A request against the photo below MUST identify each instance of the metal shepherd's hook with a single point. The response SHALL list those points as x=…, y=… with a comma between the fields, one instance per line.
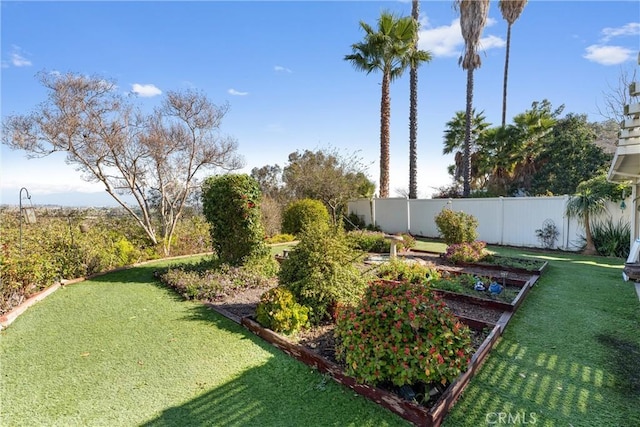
x=22, y=213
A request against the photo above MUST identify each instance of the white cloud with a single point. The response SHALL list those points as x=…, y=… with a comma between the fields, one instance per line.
x=447, y=41
x=19, y=61
x=442, y=41
x=281, y=69
x=607, y=55
x=16, y=58
x=630, y=29
x=145, y=91
x=237, y=93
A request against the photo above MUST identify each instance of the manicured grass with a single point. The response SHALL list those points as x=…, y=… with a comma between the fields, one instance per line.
x=570, y=356
x=121, y=350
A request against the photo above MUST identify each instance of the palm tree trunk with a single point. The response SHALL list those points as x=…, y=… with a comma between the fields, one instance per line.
x=590, y=247
x=385, y=117
x=413, y=116
x=466, y=189
x=506, y=73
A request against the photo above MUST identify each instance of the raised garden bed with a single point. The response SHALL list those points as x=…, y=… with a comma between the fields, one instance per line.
x=486, y=299
x=498, y=262
x=416, y=413
x=316, y=348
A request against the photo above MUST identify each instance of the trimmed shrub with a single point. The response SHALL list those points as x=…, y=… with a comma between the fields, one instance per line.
x=456, y=227
x=465, y=252
x=403, y=334
x=281, y=238
x=320, y=272
x=231, y=204
x=279, y=311
x=411, y=272
x=368, y=241
x=304, y=213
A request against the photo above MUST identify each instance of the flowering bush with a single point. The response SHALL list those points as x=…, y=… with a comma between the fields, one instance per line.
x=279, y=311
x=465, y=252
x=402, y=333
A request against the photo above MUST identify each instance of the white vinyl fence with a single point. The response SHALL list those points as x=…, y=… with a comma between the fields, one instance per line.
x=511, y=221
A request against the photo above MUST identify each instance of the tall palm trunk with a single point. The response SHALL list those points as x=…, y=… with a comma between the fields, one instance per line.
x=385, y=118
x=506, y=74
x=511, y=10
x=466, y=189
x=413, y=115
x=473, y=17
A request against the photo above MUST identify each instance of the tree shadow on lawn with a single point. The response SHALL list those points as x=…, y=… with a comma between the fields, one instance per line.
x=275, y=394
x=282, y=391
x=624, y=362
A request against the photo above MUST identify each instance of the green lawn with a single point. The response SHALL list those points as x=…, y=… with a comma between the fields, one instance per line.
x=123, y=350
x=569, y=357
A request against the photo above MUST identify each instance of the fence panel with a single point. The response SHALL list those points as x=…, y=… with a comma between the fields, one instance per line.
x=392, y=215
x=504, y=221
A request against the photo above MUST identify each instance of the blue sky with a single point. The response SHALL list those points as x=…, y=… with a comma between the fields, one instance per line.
x=280, y=66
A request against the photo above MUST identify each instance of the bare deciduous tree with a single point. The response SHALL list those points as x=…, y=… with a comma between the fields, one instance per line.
x=617, y=96
x=155, y=159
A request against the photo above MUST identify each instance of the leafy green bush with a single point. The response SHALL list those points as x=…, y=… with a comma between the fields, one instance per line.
x=611, y=239
x=281, y=238
x=465, y=252
x=456, y=227
x=304, y=213
x=404, y=271
x=400, y=332
x=68, y=243
x=279, y=311
x=231, y=204
x=368, y=241
x=320, y=272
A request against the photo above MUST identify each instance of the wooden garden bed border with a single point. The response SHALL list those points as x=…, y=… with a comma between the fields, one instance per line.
x=499, y=305
x=417, y=414
x=538, y=271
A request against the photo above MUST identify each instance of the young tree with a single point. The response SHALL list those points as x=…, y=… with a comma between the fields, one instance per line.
x=583, y=205
x=473, y=17
x=389, y=49
x=155, y=159
x=454, y=142
x=327, y=176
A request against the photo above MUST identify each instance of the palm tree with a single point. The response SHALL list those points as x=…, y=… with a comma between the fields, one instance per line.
x=413, y=108
x=511, y=10
x=454, y=142
x=473, y=17
x=389, y=49
x=583, y=205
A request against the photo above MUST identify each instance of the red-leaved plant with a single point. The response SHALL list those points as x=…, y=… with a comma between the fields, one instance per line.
x=465, y=252
x=402, y=333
